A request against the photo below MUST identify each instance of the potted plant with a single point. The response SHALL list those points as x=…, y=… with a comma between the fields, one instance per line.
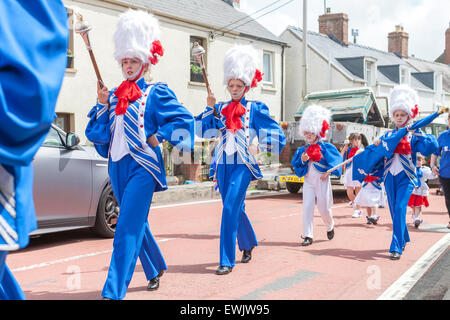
x=69, y=58
x=196, y=73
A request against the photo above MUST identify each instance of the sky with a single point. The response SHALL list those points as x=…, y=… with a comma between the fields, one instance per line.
x=424, y=20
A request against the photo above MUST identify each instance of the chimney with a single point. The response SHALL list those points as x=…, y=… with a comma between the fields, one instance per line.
x=398, y=42
x=234, y=3
x=336, y=24
x=447, y=46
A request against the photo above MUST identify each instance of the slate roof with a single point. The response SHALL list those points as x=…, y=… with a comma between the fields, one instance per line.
x=428, y=66
x=348, y=59
x=215, y=13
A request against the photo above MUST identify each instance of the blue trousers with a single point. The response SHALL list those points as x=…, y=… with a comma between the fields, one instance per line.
x=9, y=288
x=233, y=179
x=398, y=189
x=133, y=187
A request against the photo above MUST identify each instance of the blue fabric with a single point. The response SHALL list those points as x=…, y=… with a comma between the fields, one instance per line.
x=32, y=67
x=443, y=151
x=133, y=187
x=233, y=180
x=331, y=157
x=270, y=136
x=9, y=288
x=33, y=43
x=164, y=116
x=398, y=190
x=364, y=162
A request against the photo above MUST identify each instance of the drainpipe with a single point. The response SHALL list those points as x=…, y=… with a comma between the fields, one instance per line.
x=305, y=45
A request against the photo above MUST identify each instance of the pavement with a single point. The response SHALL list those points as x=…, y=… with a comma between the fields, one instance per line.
x=355, y=265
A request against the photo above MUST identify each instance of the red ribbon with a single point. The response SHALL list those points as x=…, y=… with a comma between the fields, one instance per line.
x=156, y=50
x=126, y=92
x=370, y=178
x=313, y=152
x=325, y=127
x=233, y=113
x=403, y=147
x=352, y=152
x=415, y=111
x=257, y=78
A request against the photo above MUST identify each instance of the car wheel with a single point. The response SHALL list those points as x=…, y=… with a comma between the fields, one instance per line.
x=293, y=187
x=107, y=214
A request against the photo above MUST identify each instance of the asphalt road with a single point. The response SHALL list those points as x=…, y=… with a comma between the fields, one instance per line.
x=355, y=265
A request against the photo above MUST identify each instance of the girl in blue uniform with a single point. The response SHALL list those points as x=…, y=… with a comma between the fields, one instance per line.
x=32, y=68
x=237, y=122
x=127, y=126
x=312, y=161
x=400, y=175
x=443, y=151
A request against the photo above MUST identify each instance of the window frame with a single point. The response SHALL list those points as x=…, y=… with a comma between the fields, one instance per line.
x=193, y=60
x=370, y=70
x=271, y=55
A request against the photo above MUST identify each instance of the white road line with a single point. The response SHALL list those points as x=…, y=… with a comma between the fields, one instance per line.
x=400, y=288
x=58, y=261
x=93, y=254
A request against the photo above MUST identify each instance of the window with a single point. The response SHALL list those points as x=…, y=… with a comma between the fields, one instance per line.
x=194, y=65
x=369, y=73
x=70, y=46
x=64, y=121
x=404, y=76
x=268, y=67
x=53, y=139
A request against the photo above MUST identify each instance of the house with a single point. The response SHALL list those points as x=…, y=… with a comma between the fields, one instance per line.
x=335, y=63
x=217, y=25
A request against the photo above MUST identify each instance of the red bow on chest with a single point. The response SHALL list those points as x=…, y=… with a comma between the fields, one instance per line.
x=233, y=113
x=352, y=152
x=313, y=152
x=126, y=92
x=404, y=147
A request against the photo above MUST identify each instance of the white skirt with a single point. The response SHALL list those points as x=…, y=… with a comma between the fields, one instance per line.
x=369, y=196
x=348, y=178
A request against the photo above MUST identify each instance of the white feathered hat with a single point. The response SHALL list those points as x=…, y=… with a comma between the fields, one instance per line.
x=241, y=62
x=315, y=119
x=403, y=98
x=137, y=36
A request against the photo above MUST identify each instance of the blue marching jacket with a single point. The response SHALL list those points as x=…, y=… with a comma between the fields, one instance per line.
x=157, y=112
x=426, y=144
x=33, y=45
x=256, y=123
x=331, y=157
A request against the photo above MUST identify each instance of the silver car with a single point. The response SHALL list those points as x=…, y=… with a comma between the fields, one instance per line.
x=71, y=187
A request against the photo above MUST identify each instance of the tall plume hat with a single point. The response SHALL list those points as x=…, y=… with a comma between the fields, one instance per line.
x=241, y=62
x=403, y=98
x=137, y=36
x=315, y=119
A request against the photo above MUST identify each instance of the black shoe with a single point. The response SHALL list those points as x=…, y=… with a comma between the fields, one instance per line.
x=374, y=220
x=223, y=270
x=395, y=256
x=153, y=284
x=247, y=255
x=369, y=220
x=330, y=234
x=417, y=223
x=308, y=241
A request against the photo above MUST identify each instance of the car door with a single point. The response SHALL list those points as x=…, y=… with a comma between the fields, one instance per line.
x=62, y=186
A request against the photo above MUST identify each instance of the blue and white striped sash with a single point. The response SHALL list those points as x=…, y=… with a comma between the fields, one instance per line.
x=7, y=212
